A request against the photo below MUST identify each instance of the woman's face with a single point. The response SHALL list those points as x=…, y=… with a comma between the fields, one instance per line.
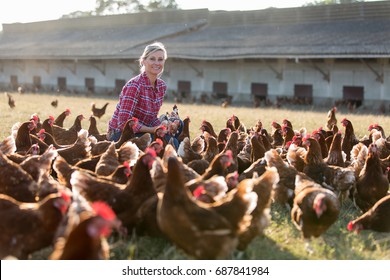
x=154, y=63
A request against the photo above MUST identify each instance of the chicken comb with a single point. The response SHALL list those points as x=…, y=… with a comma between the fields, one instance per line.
x=350, y=226
x=229, y=153
x=103, y=210
x=51, y=118
x=151, y=151
x=67, y=110
x=65, y=195
x=159, y=141
x=42, y=131
x=199, y=191
x=308, y=136
x=134, y=119
x=35, y=117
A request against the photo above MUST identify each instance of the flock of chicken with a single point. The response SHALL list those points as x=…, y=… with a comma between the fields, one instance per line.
x=71, y=189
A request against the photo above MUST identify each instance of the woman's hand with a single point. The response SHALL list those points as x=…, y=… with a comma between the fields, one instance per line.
x=147, y=129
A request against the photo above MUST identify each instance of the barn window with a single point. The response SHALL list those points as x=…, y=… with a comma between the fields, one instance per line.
x=37, y=82
x=61, y=83
x=303, y=94
x=259, y=90
x=184, y=88
x=220, y=90
x=353, y=95
x=119, y=83
x=90, y=84
x=14, y=82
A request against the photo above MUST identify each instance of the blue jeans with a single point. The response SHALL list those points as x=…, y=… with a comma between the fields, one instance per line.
x=115, y=135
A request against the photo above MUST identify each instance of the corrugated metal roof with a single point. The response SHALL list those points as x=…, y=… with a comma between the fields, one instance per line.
x=353, y=30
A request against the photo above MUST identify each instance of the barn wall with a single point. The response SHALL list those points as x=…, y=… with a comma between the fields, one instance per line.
x=238, y=74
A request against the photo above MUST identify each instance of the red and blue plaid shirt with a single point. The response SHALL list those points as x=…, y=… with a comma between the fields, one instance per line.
x=141, y=100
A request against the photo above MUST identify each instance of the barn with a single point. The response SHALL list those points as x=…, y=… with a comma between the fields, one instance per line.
x=316, y=54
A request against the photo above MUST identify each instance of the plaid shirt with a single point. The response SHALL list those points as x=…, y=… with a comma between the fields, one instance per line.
x=141, y=100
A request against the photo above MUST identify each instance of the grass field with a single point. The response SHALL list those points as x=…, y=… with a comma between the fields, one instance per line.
x=281, y=240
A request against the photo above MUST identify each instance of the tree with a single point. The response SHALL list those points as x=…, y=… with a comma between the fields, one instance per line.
x=113, y=7
x=328, y=2
x=109, y=7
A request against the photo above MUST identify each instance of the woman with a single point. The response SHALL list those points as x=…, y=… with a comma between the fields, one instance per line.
x=142, y=96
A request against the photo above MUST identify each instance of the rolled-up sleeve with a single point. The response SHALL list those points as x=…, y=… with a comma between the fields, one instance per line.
x=128, y=100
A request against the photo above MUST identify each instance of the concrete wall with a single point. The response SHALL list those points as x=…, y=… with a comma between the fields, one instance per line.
x=238, y=74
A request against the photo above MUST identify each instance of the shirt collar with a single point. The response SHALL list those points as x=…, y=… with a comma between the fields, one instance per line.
x=147, y=81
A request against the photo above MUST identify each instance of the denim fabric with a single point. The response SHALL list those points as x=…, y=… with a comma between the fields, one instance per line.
x=115, y=135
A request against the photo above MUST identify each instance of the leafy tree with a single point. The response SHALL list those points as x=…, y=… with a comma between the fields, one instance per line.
x=328, y=2
x=112, y=7
x=104, y=7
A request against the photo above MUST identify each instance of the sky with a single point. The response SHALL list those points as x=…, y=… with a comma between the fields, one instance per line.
x=12, y=11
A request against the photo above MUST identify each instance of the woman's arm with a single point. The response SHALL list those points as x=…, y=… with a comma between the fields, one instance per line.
x=147, y=129
x=128, y=102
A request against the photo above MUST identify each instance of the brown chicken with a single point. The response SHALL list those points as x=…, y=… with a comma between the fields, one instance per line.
x=210, y=190
x=98, y=112
x=68, y=136
x=284, y=188
x=123, y=199
x=48, y=138
x=59, y=121
x=54, y=103
x=23, y=138
x=382, y=144
x=186, y=129
x=93, y=130
x=288, y=134
x=315, y=166
x=219, y=165
x=211, y=147
x=295, y=155
x=257, y=147
x=263, y=186
x=11, y=100
x=372, y=184
x=79, y=150
x=88, y=239
x=7, y=146
x=317, y=134
x=209, y=128
x=331, y=118
x=191, y=151
x=16, y=182
x=349, y=139
x=315, y=208
x=335, y=154
x=29, y=227
x=47, y=125
x=376, y=218
x=35, y=165
x=277, y=134
x=202, y=231
x=160, y=168
x=108, y=161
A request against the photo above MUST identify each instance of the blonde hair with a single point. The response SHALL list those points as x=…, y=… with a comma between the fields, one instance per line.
x=149, y=49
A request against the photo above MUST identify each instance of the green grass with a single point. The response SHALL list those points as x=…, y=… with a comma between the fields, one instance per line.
x=281, y=241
